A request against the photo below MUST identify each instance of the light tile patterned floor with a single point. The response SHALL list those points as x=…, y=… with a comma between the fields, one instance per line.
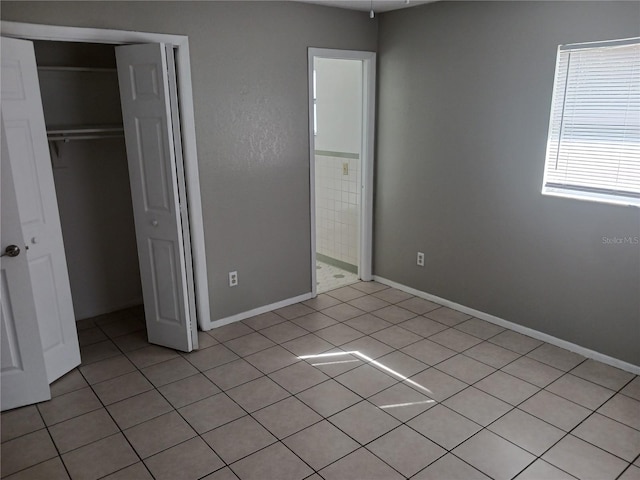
x=405, y=389
x=329, y=277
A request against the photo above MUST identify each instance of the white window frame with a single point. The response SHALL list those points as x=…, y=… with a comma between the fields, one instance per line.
x=555, y=137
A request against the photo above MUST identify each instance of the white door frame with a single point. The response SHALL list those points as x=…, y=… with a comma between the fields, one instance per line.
x=366, y=157
x=30, y=31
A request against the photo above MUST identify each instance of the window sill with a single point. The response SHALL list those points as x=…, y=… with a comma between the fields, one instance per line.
x=592, y=197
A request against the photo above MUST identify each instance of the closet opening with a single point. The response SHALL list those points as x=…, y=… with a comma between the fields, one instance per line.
x=106, y=231
x=83, y=118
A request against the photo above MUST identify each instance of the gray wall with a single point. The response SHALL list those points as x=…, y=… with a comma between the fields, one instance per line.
x=464, y=96
x=249, y=71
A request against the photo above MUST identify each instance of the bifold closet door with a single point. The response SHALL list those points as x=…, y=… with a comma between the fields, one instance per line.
x=32, y=178
x=146, y=112
x=24, y=377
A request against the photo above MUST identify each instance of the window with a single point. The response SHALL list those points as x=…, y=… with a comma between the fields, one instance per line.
x=593, y=147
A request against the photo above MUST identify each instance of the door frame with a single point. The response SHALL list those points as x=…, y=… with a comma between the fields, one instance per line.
x=365, y=239
x=31, y=31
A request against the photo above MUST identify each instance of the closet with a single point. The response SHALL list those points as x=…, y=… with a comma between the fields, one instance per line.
x=97, y=214
x=83, y=118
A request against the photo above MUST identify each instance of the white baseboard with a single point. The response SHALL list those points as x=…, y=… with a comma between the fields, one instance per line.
x=257, y=311
x=586, y=352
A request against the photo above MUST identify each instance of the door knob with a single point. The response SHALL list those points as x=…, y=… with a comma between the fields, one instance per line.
x=11, y=251
x=154, y=223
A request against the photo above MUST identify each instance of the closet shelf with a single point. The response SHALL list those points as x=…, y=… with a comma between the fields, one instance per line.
x=84, y=132
x=55, y=68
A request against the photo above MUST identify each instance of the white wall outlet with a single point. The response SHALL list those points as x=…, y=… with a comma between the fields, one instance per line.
x=420, y=259
x=233, y=279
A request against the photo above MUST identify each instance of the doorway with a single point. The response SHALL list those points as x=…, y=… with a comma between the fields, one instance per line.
x=341, y=130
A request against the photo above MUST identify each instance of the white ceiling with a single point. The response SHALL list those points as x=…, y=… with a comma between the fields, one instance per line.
x=379, y=6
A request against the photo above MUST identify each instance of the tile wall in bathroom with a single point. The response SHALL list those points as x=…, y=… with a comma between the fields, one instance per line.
x=337, y=206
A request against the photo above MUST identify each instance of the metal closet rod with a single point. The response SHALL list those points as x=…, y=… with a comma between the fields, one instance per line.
x=78, y=133
x=66, y=138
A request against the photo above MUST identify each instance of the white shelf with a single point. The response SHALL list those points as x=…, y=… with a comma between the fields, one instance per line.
x=77, y=69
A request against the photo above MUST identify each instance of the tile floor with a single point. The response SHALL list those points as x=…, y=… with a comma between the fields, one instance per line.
x=329, y=277
x=405, y=389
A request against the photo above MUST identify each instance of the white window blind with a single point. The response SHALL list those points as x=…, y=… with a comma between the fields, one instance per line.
x=593, y=147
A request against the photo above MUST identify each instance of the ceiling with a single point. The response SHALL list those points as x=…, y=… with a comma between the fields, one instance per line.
x=379, y=6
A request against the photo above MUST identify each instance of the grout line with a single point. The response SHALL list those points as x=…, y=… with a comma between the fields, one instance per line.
x=512, y=407
x=576, y=426
x=120, y=431
x=361, y=398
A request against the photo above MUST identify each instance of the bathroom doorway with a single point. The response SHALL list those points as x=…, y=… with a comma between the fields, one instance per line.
x=341, y=107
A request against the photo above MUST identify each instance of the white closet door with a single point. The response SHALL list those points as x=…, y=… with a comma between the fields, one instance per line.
x=37, y=206
x=23, y=374
x=144, y=94
x=182, y=193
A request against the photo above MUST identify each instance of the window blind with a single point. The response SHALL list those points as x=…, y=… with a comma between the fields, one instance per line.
x=593, y=147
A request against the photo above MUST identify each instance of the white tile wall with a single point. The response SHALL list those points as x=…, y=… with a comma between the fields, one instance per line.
x=337, y=208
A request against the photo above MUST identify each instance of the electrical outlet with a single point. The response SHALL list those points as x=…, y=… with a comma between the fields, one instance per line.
x=420, y=259
x=233, y=279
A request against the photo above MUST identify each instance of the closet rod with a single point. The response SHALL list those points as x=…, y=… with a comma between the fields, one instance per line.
x=85, y=130
x=76, y=69
x=66, y=138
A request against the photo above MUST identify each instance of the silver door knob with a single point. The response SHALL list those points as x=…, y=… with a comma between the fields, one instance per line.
x=11, y=251
x=154, y=223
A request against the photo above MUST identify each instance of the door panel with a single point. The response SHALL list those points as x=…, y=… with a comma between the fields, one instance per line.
x=146, y=111
x=42, y=270
x=22, y=370
x=37, y=206
x=153, y=175
x=164, y=275
x=24, y=173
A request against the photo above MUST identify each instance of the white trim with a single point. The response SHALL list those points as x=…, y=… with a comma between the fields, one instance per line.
x=366, y=156
x=365, y=269
x=34, y=31
x=586, y=352
x=312, y=173
x=605, y=43
x=257, y=311
x=30, y=31
x=590, y=196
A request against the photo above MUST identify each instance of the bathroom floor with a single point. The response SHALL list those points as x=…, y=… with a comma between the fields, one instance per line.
x=329, y=277
x=363, y=382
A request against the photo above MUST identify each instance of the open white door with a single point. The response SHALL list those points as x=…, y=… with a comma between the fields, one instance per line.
x=26, y=140
x=23, y=374
x=182, y=193
x=146, y=112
